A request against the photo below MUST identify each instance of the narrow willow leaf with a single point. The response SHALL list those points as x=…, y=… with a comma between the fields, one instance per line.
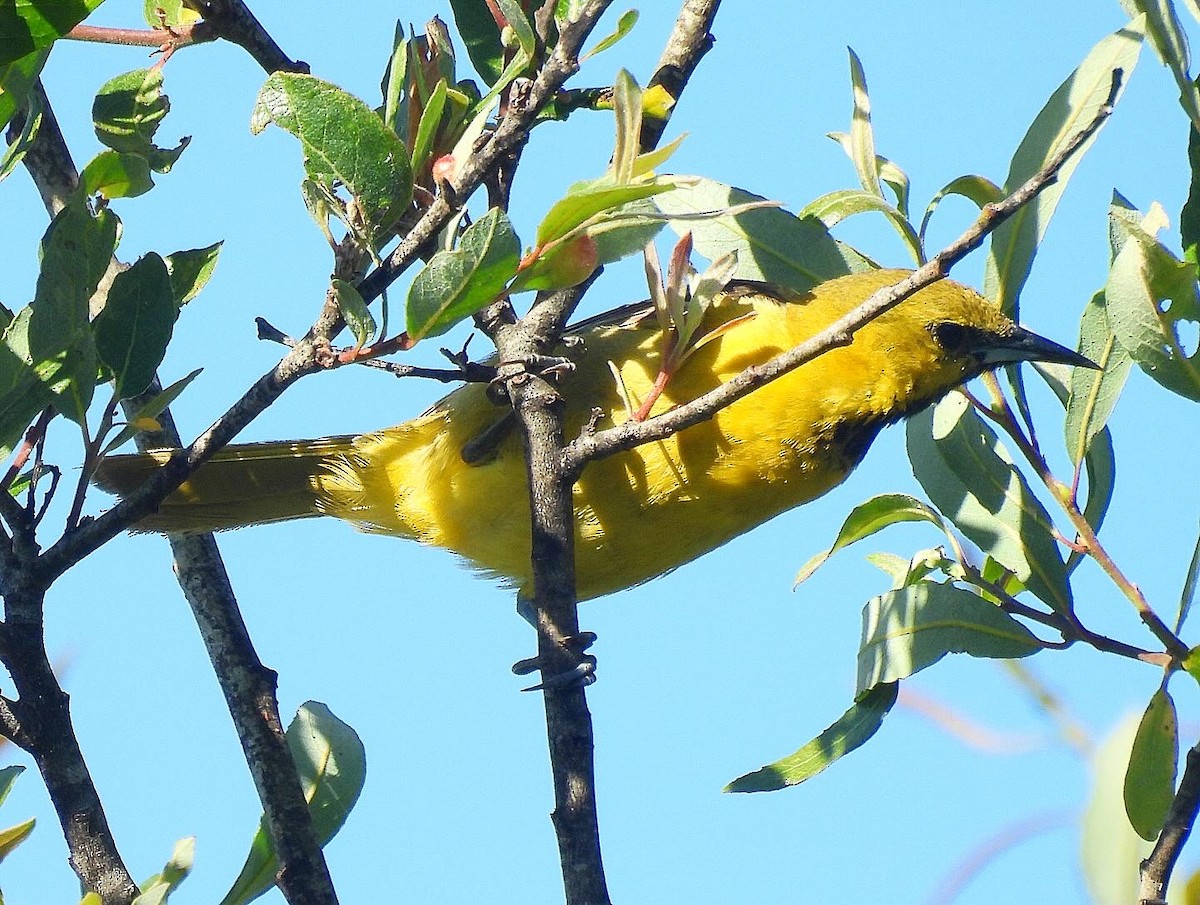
x=1094, y=394
x=1148, y=295
x=431, y=118
x=581, y=203
x=977, y=189
x=852, y=730
x=30, y=25
x=771, y=244
x=890, y=173
x=126, y=115
x=112, y=174
x=1153, y=761
x=1188, y=596
x=8, y=777
x=625, y=24
x=627, y=112
x=478, y=29
x=1070, y=108
x=332, y=765
x=13, y=836
x=344, y=142
x=1169, y=41
x=455, y=284
x=867, y=519
x=906, y=630
x=135, y=326
x=17, y=78
x=1189, y=217
x=970, y=478
x=354, y=311
x=833, y=208
x=862, y=138
x=154, y=407
x=515, y=16
x=191, y=270
x=156, y=889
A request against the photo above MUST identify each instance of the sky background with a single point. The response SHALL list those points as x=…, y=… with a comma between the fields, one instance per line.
x=705, y=674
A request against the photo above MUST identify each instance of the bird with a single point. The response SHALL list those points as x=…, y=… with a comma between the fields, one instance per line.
x=641, y=513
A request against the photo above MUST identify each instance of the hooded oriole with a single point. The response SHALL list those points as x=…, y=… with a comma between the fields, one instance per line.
x=643, y=512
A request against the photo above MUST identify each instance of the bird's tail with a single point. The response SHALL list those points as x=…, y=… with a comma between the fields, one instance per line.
x=249, y=484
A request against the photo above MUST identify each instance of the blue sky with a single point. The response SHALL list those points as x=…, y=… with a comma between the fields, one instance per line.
x=704, y=674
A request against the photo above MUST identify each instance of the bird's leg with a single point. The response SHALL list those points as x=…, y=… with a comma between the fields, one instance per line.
x=584, y=671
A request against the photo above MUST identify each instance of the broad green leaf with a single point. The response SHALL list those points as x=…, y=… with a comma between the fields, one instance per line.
x=851, y=731
x=478, y=29
x=17, y=77
x=191, y=270
x=1111, y=851
x=833, y=208
x=771, y=244
x=1150, y=779
x=29, y=25
x=151, y=410
x=135, y=326
x=870, y=517
x=455, y=284
x=625, y=24
x=1070, y=108
x=156, y=889
x=625, y=230
x=562, y=265
x=127, y=112
x=908, y=629
x=970, y=478
x=112, y=174
x=354, y=311
x=1149, y=292
x=332, y=765
x=344, y=142
x=8, y=776
x=13, y=836
x=977, y=189
x=22, y=392
x=580, y=204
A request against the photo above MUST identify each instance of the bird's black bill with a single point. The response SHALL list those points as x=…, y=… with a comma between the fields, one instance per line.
x=1022, y=345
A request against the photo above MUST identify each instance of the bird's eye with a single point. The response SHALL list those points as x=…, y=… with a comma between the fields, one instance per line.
x=950, y=336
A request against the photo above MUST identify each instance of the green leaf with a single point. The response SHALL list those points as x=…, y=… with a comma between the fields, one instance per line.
x=970, y=478
x=1094, y=394
x=156, y=890
x=127, y=112
x=862, y=139
x=478, y=29
x=22, y=393
x=889, y=173
x=13, y=836
x=514, y=15
x=1189, y=217
x=332, y=765
x=625, y=24
x=870, y=518
x=1149, y=292
x=29, y=25
x=354, y=311
x=112, y=174
x=152, y=409
x=344, y=142
x=771, y=244
x=851, y=731
x=135, y=326
x=1070, y=108
x=431, y=118
x=1150, y=778
x=833, y=208
x=625, y=230
x=977, y=189
x=581, y=203
x=191, y=270
x=1169, y=41
x=8, y=777
x=20, y=145
x=908, y=629
x=1188, y=596
x=17, y=78
x=455, y=284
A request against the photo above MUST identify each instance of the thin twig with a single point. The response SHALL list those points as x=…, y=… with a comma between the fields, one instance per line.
x=1157, y=868
x=840, y=333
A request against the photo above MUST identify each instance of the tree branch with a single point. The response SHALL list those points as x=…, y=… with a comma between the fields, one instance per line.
x=1156, y=869
x=690, y=40
x=231, y=20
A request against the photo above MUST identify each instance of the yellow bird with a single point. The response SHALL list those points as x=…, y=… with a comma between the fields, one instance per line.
x=644, y=512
